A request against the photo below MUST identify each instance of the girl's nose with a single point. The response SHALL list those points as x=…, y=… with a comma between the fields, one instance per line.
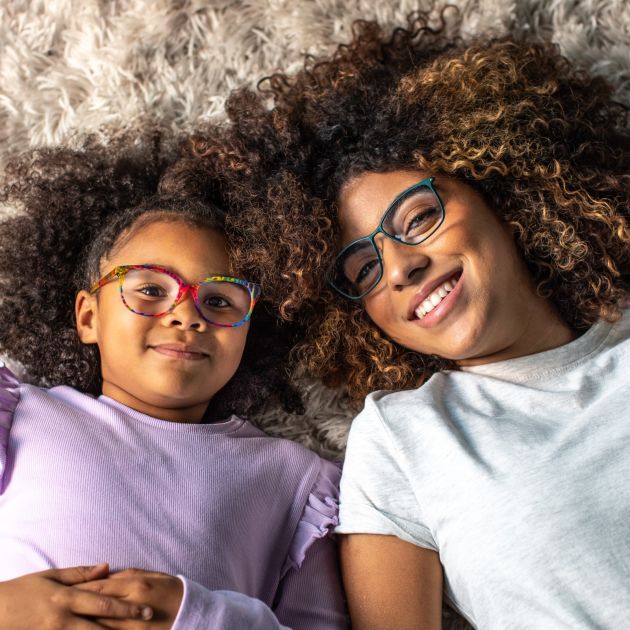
x=185, y=315
x=401, y=262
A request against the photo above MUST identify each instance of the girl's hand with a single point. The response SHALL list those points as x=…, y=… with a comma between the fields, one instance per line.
x=162, y=592
x=50, y=600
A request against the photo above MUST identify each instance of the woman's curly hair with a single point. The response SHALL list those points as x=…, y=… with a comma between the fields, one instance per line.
x=542, y=140
x=68, y=209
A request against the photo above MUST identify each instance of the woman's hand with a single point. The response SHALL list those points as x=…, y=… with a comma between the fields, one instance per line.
x=50, y=600
x=162, y=592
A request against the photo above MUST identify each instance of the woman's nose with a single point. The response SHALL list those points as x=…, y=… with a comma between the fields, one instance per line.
x=401, y=262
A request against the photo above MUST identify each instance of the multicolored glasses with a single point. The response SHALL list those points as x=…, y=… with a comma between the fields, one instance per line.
x=154, y=291
x=415, y=214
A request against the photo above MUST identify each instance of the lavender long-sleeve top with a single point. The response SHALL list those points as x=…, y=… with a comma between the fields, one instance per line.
x=241, y=517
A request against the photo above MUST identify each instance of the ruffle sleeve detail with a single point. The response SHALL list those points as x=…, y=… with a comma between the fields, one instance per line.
x=320, y=514
x=9, y=396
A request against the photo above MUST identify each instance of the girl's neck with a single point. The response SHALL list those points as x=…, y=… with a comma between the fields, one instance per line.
x=192, y=414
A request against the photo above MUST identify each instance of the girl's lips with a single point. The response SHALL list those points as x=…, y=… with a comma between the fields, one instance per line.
x=180, y=352
x=435, y=316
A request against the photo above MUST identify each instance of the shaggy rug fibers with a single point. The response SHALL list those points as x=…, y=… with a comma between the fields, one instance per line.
x=73, y=66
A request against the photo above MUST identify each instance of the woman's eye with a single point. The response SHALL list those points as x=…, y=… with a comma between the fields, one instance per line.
x=365, y=271
x=152, y=291
x=421, y=219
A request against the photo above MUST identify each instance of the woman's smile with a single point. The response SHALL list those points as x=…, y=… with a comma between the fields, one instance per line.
x=435, y=299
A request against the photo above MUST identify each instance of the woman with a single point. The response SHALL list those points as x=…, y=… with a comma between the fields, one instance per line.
x=453, y=221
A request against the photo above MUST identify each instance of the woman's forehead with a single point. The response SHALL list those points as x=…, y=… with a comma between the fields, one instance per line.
x=363, y=200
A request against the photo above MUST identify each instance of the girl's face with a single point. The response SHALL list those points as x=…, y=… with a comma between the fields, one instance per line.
x=168, y=367
x=484, y=305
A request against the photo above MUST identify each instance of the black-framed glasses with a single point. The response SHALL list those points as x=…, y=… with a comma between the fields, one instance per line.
x=415, y=214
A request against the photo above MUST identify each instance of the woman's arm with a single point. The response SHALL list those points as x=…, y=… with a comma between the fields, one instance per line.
x=390, y=583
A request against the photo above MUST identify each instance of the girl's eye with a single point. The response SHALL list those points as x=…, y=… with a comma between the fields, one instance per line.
x=216, y=301
x=152, y=291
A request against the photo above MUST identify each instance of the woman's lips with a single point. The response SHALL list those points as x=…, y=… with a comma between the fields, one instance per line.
x=186, y=353
x=441, y=310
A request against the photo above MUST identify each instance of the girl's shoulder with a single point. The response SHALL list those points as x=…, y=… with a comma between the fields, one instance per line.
x=9, y=398
x=309, y=483
x=285, y=449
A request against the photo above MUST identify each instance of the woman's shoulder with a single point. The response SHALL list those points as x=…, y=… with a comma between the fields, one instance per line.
x=381, y=405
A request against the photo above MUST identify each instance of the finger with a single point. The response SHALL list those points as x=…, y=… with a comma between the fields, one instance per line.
x=82, y=624
x=76, y=575
x=119, y=588
x=99, y=605
x=131, y=573
x=114, y=624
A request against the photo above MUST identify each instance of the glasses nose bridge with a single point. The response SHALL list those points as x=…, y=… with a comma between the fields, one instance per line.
x=182, y=291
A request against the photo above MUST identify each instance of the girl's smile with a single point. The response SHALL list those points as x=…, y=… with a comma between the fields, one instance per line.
x=464, y=293
x=181, y=351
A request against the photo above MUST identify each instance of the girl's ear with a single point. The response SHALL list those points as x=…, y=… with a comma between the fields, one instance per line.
x=86, y=317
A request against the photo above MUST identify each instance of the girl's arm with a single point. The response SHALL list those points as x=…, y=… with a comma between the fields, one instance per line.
x=48, y=600
x=309, y=598
x=391, y=583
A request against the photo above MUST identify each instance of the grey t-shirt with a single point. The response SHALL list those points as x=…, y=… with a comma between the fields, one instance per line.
x=518, y=474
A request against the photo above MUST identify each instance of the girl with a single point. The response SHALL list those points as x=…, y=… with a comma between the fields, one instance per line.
x=118, y=461
x=456, y=219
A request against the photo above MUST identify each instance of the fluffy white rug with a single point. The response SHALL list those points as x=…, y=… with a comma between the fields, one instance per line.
x=69, y=66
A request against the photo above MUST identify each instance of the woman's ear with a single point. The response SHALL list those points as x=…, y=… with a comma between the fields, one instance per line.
x=86, y=317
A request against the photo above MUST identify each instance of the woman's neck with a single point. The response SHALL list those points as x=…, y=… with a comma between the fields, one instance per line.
x=543, y=329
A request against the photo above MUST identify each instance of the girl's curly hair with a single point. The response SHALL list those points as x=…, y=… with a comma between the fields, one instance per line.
x=70, y=208
x=542, y=140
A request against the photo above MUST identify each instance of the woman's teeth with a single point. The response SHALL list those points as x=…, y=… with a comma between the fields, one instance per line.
x=434, y=299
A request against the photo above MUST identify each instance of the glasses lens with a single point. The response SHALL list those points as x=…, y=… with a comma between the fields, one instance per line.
x=223, y=302
x=148, y=291
x=357, y=269
x=415, y=216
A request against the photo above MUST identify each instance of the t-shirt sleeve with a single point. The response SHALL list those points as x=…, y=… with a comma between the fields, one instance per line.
x=376, y=495
x=9, y=396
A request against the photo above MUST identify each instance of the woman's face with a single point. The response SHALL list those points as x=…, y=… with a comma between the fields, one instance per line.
x=481, y=305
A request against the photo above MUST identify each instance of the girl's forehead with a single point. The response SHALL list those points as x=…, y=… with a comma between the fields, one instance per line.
x=190, y=250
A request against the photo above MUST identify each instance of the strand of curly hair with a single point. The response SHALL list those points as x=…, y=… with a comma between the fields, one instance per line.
x=542, y=140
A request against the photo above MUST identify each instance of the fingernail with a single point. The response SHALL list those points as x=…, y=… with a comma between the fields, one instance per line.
x=146, y=613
